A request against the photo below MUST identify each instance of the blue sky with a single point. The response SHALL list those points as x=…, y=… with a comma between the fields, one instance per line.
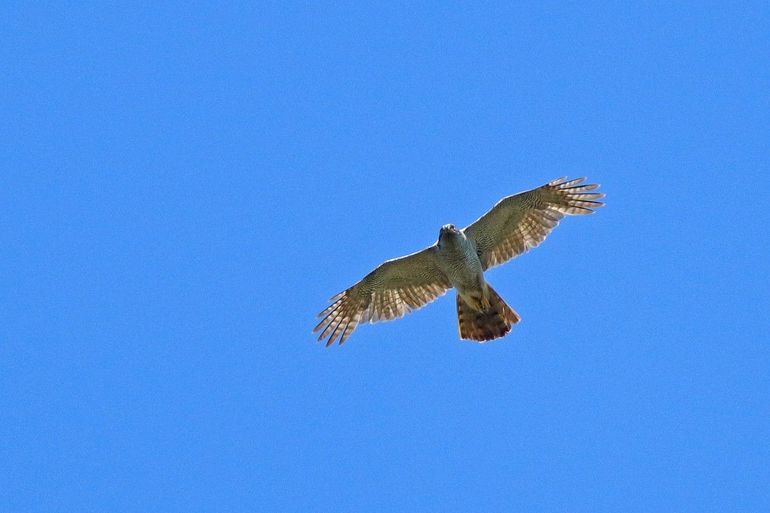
x=185, y=184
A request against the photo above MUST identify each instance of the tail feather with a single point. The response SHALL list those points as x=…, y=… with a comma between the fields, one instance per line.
x=489, y=324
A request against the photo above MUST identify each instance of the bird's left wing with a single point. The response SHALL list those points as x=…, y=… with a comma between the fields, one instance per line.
x=395, y=288
x=522, y=221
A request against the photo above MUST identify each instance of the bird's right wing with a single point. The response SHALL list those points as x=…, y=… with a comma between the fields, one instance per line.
x=522, y=221
x=395, y=288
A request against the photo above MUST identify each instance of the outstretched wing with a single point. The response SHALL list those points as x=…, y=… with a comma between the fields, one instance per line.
x=395, y=288
x=522, y=221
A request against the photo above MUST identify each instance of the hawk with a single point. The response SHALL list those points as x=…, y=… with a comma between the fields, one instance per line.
x=458, y=260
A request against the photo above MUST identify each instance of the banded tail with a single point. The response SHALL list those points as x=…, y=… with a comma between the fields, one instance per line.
x=486, y=325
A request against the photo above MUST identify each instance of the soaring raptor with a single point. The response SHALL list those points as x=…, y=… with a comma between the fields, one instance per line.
x=458, y=259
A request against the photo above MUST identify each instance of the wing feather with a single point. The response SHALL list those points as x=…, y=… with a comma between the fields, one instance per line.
x=393, y=289
x=521, y=222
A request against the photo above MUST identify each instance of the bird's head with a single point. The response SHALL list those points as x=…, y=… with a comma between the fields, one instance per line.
x=448, y=230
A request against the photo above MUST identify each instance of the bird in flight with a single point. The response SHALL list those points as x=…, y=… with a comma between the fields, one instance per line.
x=458, y=260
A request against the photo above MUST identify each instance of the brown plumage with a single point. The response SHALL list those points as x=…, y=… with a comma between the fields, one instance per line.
x=487, y=324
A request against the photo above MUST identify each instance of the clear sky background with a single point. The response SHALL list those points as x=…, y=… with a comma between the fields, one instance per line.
x=185, y=185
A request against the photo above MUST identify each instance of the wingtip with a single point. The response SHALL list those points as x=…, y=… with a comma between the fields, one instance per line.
x=598, y=205
x=557, y=181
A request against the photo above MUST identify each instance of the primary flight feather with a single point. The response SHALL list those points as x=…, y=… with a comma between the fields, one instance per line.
x=458, y=260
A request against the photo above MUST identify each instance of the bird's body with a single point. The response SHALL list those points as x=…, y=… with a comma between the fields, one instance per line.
x=458, y=260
